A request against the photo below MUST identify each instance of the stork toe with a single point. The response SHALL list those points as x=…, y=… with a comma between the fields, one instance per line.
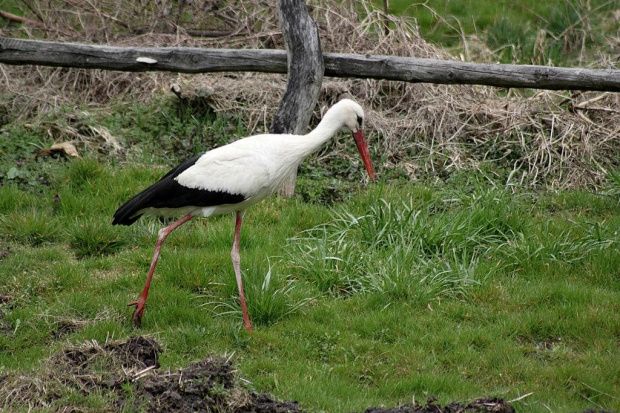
x=136, y=318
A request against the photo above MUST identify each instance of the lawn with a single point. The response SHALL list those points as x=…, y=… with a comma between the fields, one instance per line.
x=463, y=273
x=562, y=33
x=457, y=289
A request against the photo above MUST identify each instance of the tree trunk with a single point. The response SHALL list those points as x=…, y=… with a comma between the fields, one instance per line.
x=305, y=75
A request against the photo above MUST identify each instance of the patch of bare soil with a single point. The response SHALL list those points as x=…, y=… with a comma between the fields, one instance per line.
x=479, y=405
x=5, y=300
x=205, y=386
x=5, y=326
x=3, y=254
x=126, y=374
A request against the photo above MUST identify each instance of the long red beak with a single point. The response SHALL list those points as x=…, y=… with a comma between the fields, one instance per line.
x=362, y=147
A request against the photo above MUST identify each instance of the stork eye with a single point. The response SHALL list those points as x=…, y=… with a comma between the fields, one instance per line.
x=360, y=121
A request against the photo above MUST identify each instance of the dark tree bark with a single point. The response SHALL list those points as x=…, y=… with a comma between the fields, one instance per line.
x=305, y=74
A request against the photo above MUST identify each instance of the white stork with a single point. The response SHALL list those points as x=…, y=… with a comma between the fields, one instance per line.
x=230, y=179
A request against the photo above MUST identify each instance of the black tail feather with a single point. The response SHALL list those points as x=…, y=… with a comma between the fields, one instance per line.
x=169, y=194
x=126, y=214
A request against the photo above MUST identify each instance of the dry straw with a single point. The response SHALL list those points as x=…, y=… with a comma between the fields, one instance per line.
x=539, y=138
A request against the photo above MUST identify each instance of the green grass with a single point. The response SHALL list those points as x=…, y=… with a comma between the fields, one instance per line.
x=399, y=292
x=359, y=297
x=12, y=6
x=525, y=32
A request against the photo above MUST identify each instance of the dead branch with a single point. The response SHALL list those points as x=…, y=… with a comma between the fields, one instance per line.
x=407, y=69
x=20, y=19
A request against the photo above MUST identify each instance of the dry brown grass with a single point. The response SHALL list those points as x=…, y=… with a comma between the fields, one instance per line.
x=544, y=138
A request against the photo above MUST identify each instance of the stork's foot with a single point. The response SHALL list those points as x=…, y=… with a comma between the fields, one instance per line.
x=136, y=318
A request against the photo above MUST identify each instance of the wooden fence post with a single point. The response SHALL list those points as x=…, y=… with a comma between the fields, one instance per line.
x=305, y=75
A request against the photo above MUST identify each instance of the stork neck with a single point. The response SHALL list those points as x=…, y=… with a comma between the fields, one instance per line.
x=325, y=130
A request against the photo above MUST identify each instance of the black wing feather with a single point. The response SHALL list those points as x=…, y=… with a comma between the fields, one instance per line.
x=168, y=193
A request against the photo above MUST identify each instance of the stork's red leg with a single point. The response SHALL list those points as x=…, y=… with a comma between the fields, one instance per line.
x=234, y=254
x=161, y=237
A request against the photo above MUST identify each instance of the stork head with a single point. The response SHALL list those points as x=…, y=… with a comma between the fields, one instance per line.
x=353, y=118
x=352, y=115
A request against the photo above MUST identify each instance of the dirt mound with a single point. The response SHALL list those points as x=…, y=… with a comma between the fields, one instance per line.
x=478, y=405
x=125, y=374
x=137, y=351
x=205, y=386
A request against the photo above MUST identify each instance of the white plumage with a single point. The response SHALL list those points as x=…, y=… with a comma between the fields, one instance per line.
x=232, y=178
